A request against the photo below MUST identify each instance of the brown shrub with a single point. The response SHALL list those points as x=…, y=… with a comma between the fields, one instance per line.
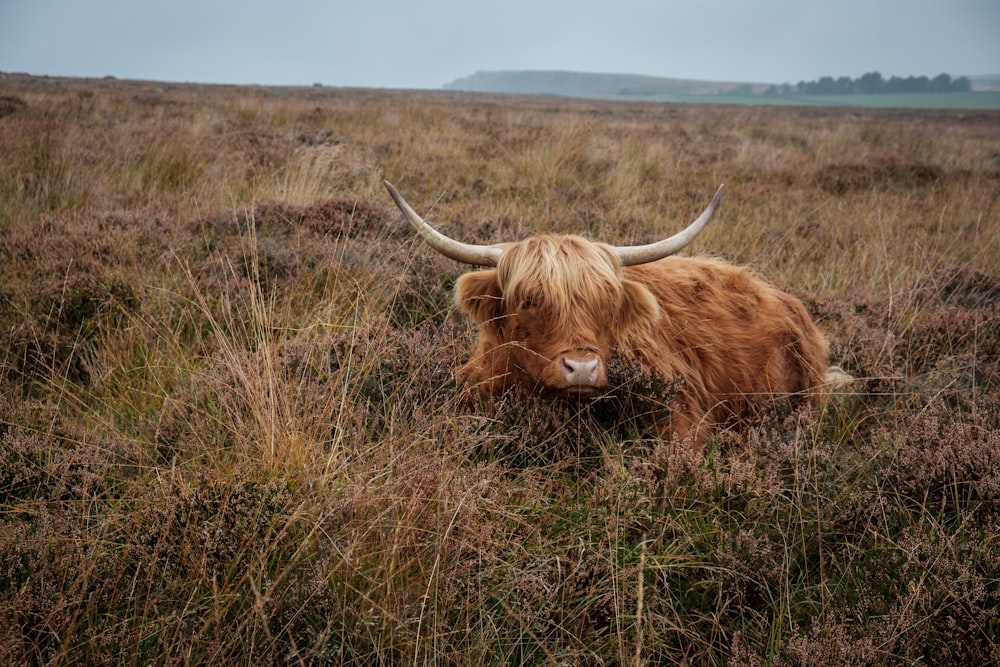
x=10, y=104
x=947, y=613
x=939, y=341
x=209, y=528
x=964, y=286
x=841, y=179
x=941, y=461
x=341, y=218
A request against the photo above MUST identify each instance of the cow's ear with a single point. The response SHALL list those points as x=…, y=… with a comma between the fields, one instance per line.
x=479, y=294
x=639, y=308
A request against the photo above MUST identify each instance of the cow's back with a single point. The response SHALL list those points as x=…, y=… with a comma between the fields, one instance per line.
x=735, y=340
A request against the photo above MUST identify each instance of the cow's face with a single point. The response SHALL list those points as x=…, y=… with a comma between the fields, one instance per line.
x=556, y=305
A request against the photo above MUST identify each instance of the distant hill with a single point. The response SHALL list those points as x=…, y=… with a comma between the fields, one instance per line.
x=585, y=84
x=984, y=93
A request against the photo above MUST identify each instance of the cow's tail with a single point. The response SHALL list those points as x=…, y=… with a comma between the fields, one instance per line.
x=838, y=384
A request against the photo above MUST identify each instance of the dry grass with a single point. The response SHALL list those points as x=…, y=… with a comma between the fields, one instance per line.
x=229, y=430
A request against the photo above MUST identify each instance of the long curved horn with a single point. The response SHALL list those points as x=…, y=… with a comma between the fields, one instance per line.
x=643, y=254
x=478, y=255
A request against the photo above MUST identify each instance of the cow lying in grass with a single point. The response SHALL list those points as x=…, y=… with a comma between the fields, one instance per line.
x=551, y=308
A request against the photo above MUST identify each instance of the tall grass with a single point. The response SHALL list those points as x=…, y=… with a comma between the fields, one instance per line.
x=230, y=430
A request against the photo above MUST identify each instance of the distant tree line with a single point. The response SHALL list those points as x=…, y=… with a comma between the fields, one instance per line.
x=873, y=82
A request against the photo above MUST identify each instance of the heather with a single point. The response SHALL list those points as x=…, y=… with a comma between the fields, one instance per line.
x=230, y=431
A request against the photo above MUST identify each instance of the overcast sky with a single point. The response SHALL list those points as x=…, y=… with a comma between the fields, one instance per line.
x=399, y=44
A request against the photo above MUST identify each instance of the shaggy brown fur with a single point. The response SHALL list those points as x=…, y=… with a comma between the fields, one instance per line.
x=735, y=341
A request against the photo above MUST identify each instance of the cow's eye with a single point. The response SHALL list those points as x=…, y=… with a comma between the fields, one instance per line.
x=527, y=303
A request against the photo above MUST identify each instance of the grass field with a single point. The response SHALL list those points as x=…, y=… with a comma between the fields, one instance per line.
x=957, y=101
x=230, y=431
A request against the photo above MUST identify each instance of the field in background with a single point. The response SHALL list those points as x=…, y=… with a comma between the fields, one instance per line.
x=230, y=432
x=957, y=101
x=981, y=92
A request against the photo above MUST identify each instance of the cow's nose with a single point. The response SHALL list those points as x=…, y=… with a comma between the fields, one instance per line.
x=581, y=370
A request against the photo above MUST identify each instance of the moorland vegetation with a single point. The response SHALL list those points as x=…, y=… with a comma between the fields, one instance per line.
x=230, y=431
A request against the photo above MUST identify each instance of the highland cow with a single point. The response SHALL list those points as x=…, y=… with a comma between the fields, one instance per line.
x=551, y=309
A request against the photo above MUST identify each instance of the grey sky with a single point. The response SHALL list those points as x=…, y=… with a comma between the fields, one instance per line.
x=397, y=44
